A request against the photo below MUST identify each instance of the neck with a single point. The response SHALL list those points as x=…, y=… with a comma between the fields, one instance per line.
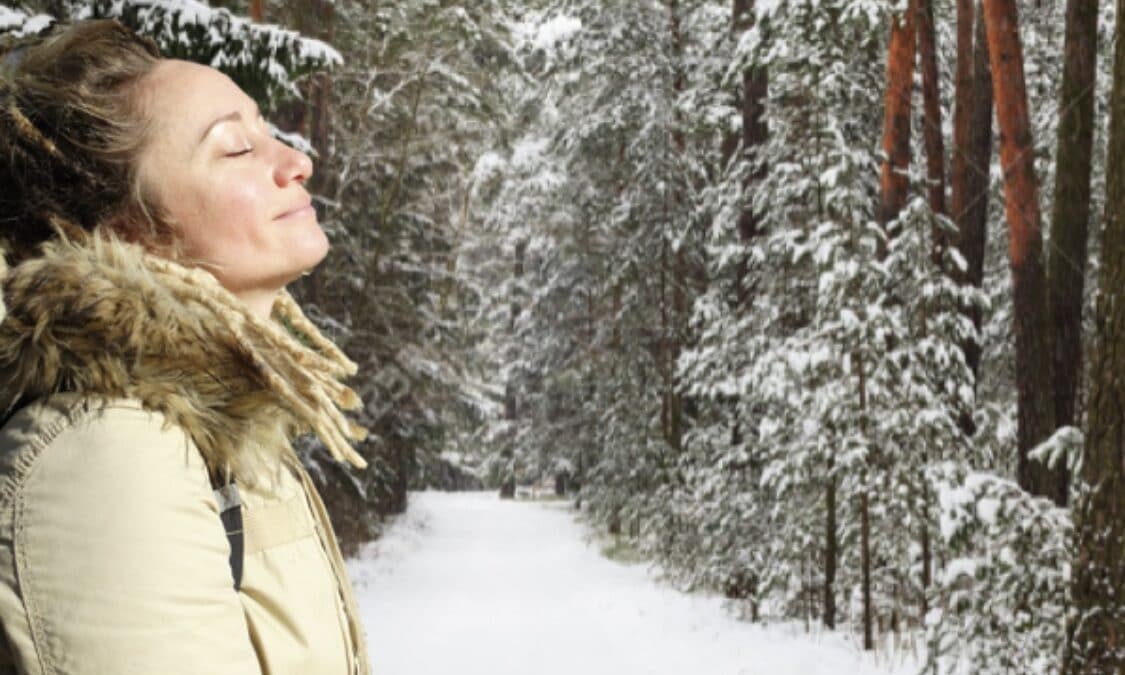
x=260, y=302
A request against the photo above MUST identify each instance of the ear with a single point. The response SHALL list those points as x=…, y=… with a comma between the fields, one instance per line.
x=143, y=225
x=123, y=224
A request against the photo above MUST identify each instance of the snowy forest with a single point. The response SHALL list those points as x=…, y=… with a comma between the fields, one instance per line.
x=816, y=304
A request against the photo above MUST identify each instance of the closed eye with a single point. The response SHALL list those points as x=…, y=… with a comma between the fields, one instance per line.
x=239, y=153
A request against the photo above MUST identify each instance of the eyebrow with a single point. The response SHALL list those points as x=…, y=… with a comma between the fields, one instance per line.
x=229, y=117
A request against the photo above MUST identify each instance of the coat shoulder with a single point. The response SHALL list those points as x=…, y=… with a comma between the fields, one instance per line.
x=96, y=437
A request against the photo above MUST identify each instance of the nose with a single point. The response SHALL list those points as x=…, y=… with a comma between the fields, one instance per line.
x=293, y=165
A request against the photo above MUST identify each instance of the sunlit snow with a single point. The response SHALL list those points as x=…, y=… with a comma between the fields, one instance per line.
x=555, y=30
x=466, y=583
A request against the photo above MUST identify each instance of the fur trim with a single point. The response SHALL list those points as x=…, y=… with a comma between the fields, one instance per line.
x=105, y=318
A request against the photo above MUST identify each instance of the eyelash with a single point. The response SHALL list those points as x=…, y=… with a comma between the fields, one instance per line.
x=250, y=148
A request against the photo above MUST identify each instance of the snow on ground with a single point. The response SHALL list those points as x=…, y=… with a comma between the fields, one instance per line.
x=467, y=584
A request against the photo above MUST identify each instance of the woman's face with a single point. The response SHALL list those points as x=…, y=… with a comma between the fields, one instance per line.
x=234, y=194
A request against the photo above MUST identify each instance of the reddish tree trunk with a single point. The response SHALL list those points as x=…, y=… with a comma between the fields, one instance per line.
x=1034, y=380
x=961, y=176
x=972, y=156
x=960, y=171
x=896, y=114
x=962, y=179
x=980, y=151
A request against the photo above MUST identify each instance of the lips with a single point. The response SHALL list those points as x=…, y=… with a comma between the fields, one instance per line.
x=304, y=208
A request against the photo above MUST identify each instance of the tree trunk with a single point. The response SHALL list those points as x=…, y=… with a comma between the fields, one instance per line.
x=676, y=420
x=896, y=115
x=932, y=130
x=511, y=398
x=1066, y=262
x=1034, y=379
x=664, y=346
x=970, y=192
x=927, y=560
x=755, y=87
x=754, y=128
x=831, y=547
x=865, y=543
x=865, y=519
x=680, y=315
x=961, y=168
x=963, y=179
x=753, y=137
x=1097, y=643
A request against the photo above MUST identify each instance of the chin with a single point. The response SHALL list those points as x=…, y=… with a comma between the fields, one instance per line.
x=318, y=257
x=309, y=251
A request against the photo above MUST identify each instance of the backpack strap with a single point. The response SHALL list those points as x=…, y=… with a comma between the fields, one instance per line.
x=230, y=512
x=20, y=403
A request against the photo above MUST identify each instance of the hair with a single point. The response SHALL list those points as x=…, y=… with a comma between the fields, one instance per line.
x=72, y=127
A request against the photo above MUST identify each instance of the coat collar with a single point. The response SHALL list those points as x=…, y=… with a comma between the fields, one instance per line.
x=104, y=318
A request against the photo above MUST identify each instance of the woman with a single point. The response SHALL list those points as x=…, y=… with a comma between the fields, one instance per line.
x=148, y=353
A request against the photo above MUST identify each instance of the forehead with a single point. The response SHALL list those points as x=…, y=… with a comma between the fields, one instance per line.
x=184, y=97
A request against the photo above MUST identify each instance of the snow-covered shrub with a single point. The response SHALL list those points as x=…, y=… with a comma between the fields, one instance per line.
x=1000, y=604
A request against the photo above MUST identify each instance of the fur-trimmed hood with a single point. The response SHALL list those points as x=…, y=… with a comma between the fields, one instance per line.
x=105, y=318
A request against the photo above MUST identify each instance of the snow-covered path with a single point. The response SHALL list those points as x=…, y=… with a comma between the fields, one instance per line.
x=467, y=584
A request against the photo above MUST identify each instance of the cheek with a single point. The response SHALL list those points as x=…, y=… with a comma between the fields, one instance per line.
x=238, y=205
x=222, y=216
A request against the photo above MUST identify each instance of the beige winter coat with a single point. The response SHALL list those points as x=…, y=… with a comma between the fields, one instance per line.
x=113, y=558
